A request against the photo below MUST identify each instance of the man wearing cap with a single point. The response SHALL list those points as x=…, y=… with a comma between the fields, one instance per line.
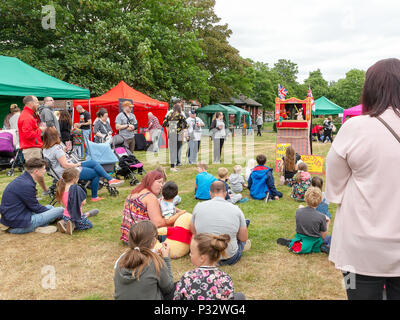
x=126, y=123
x=194, y=131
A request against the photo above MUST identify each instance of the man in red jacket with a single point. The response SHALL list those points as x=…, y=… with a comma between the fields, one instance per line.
x=29, y=131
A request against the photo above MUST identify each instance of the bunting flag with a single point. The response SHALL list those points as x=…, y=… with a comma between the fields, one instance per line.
x=282, y=92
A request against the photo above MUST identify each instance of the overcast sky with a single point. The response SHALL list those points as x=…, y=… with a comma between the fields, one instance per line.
x=332, y=35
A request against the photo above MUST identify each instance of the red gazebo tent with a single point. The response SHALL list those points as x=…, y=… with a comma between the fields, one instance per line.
x=110, y=101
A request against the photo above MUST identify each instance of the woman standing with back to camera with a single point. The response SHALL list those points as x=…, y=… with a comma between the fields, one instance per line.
x=363, y=179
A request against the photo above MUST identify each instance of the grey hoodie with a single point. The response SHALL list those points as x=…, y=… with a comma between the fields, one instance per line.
x=47, y=115
x=236, y=182
x=148, y=287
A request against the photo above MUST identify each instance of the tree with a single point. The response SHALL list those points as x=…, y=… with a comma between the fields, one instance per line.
x=347, y=92
x=317, y=83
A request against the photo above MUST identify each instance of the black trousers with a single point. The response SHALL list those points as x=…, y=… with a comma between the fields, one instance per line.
x=328, y=134
x=259, y=130
x=371, y=288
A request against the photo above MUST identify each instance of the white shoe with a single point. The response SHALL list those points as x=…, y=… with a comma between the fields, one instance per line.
x=46, y=230
x=247, y=246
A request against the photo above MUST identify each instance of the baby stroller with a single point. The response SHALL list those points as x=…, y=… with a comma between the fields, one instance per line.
x=10, y=154
x=128, y=165
x=107, y=161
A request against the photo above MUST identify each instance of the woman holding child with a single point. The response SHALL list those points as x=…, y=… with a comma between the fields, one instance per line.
x=142, y=204
x=363, y=179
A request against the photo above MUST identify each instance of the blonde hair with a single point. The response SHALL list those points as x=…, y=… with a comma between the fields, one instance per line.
x=222, y=172
x=251, y=163
x=212, y=245
x=313, y=197
x=163, y=172
x=237, y=169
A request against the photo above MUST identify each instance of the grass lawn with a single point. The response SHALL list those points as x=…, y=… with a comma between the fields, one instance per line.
x=83, y=263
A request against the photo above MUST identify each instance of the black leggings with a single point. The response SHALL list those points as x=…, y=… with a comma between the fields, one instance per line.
x=359, y=287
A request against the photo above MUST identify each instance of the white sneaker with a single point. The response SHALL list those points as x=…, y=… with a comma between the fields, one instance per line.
x=46, y=230
x=247, y=246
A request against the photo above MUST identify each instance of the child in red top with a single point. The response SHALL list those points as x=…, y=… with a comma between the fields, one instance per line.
x=73, y=197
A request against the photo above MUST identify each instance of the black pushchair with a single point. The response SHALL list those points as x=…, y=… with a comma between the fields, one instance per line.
x=128, y=164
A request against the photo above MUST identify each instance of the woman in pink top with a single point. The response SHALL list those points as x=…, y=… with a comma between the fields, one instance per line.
x=362, y=175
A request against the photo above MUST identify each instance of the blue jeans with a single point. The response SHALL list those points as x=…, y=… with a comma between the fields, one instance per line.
x=236, y=257
x=86, y=135
x=92, y=170
x=40, y=220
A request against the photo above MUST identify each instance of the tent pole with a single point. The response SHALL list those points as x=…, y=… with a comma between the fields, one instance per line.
x=90, y=112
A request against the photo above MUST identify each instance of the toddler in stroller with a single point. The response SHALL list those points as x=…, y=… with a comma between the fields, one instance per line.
x=10, y=154
x=128, y=165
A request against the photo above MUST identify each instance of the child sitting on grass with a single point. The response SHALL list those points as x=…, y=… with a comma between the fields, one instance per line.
x=73, y=197
x=203, y=182
x=236, y=180
x=311, y=227
x=206, y=282
x=300, y=182
x=140, y=273
x=261, y=181
x=167, y=202
x=230, y=196
x=249, y=168
x=323, y=206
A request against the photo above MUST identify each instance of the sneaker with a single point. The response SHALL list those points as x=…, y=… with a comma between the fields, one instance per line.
x=97, y=199
x=174, y=169
x=46, y=230
x=70, y=227
x=243, y=200
x=325, y=248
x=45, y=193
x=116, y=182
x=61, y=225
x=283, y=242
x=247, y=246
x=92, y=213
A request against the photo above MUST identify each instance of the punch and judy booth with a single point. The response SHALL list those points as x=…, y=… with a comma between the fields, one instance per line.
x=293, y=123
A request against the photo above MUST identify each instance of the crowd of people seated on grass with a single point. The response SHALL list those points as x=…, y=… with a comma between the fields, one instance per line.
x=365, y=235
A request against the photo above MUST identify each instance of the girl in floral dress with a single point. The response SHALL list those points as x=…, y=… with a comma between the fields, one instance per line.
x=300, y=182
x=206, y=282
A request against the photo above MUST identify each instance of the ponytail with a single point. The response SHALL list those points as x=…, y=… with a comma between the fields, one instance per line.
x=141, y=240
x=213, y=246
x=68, y=176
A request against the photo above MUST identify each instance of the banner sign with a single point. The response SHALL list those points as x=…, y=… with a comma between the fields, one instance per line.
x=280, y=153
x=315, y=164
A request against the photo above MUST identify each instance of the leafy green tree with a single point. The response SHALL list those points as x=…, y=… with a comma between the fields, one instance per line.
x=347, y=92
x=317, y=83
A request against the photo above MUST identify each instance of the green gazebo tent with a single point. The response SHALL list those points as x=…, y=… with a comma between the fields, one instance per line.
x=206, y=113
x=18, y=79
x=324, y=106
x=241, y=112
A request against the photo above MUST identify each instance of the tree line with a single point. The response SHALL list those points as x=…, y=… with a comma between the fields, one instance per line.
x=161, y=48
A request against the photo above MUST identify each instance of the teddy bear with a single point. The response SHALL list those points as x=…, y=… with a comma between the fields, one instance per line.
x=178, y=236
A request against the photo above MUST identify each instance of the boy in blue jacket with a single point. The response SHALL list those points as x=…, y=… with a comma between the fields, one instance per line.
x=203, y=182
x=261, y=181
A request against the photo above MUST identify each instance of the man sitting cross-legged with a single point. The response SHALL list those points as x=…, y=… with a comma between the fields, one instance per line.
x=218, y=216
x=20, y=209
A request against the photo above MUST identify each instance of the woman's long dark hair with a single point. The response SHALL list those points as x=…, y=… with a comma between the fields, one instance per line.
x=65, y=116
x=382, y=88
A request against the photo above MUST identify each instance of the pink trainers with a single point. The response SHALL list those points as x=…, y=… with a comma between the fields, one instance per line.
x=115, y=182
x=97, y=199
